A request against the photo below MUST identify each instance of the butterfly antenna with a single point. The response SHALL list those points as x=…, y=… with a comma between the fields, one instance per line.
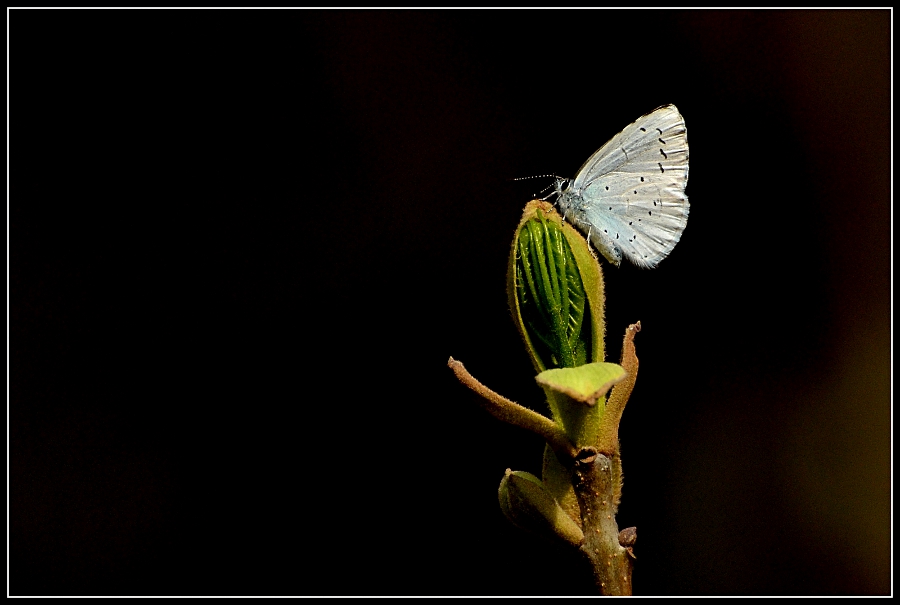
x=537, y=176
x=554, y=192
x=542, y=176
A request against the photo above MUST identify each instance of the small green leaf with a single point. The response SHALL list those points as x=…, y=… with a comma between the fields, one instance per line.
x=528, y=505
x=576, y=397
x=586, y=383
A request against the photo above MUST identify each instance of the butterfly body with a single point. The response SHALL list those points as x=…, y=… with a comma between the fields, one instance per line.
x=628, y=198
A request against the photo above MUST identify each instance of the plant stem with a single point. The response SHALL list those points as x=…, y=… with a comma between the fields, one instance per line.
x=517, y=415
x=594, y=487
x=608, y=442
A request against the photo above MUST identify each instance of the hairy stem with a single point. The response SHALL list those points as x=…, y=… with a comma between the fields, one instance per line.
x=594, y=487
x=608, y=443
x=517, y=415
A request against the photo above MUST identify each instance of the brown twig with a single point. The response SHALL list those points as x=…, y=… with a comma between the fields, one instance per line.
x=513, y=413
x=595, y=488
x=608, y=443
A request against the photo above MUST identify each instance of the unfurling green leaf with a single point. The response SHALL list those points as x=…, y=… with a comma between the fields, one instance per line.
x=555, y=291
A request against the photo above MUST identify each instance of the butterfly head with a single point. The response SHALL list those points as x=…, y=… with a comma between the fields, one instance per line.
x=560, y=184
x=566, y=198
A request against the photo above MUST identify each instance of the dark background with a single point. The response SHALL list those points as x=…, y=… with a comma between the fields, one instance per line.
x=244, y=244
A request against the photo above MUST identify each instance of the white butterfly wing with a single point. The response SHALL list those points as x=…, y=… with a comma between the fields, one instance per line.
x=633, y=187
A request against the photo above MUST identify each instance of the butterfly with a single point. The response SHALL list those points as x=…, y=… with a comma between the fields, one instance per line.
x=628, y=198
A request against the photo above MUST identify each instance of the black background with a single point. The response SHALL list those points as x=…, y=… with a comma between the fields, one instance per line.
x=244, y=244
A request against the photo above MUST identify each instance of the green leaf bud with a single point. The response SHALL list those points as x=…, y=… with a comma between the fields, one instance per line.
x=555, y=291
x=529, y=506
